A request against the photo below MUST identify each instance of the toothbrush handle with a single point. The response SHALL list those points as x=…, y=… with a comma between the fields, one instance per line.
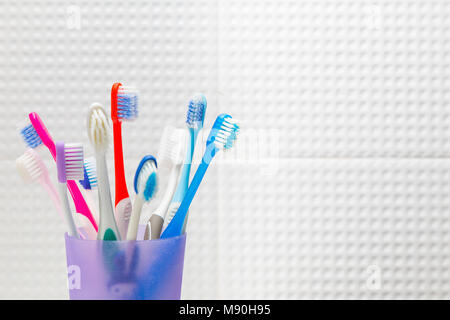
x=86, y=229
x=67, y=212
x=80, y=204
x=186, y=170
x=159, y=215
x=53, y=193
x=165, y=201
x=123, y=207
x=175, y=227
x=119, y=167
x=183, y=183
x=108, y=227
x=88, y=196
x=134, y=220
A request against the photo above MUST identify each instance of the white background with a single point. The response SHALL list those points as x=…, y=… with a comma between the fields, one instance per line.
x=340, y=185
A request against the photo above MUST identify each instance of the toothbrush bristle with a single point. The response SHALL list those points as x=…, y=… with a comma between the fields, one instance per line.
x=226, y=134
x=147, y=180
x=127, y=103
x=74, y=159
x=196, y=111
x=90, y=174
x=98, y=127
x=30, y=166
x=172, y=145
x=30, y=136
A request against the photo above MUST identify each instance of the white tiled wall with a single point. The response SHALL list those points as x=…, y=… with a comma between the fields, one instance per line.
x=348, y=99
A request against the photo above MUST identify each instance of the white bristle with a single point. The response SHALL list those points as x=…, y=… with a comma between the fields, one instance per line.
x=30, y=166
x=74, y=159
x=172, y=145
x=127, y=90
x=147, y=169
x=227, y=134
x=98, y=127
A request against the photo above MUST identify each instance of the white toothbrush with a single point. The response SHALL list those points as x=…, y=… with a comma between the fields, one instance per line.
x=32, y=168
x=171, y=153
x=69, y=162
x=146, y=186
x=99, y=133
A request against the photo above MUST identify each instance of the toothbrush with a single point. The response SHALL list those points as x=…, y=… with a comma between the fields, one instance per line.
x=33, y=169
x=98, y=131
x=90, y=183
x=194, y=121
x=124, y=106
x=171, y=150
x=222, y=137
x=36, y=134
x=69, y=162
x=145, y=185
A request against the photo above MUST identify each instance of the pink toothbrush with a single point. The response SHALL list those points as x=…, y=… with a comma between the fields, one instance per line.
x=78, y=199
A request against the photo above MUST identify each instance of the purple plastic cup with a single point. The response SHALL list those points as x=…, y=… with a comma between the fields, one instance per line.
x=125, y=270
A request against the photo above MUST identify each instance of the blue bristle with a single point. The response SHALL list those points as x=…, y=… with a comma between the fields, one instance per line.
x=150, y=187
x=196, y=110
x=85, y=182
x=127, y=106
x=30, y=136
x=141, y=167
x=90, y=175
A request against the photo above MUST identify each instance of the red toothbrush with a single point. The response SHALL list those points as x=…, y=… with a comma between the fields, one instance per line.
x=124, y=107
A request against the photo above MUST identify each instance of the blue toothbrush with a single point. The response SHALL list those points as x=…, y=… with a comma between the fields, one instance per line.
x=222, y=137
x=194, y=121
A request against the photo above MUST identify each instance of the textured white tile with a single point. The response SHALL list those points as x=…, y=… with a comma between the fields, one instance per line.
x=326, y=228
x=339, y=78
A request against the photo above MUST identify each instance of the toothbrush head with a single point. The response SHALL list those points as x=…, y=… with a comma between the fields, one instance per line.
x=124, y=103
x=172, y=146
x=196, y=111
x=41, y=129
x=30, y=136
x=224, y=132
x=145, y=179
x=31, y=167
x=90, y=181
x=69, y=161
x=98, y=127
